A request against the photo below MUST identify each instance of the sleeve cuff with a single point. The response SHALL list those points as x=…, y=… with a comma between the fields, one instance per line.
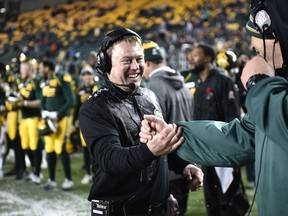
x=254, y=79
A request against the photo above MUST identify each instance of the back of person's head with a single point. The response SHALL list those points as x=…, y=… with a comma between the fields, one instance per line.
x=152, y=52
x=208, y=51
x=104, y=55
x=49, y=64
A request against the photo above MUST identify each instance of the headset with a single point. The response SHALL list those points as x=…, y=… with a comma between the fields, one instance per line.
x=103, y=59
x=261, y=17
x=263, y=23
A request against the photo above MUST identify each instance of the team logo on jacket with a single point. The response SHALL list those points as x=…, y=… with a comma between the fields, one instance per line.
x=231, y=95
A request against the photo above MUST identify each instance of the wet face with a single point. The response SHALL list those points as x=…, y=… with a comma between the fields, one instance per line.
x=127, y=64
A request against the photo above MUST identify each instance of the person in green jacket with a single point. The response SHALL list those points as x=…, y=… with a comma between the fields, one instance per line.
x=262, y=134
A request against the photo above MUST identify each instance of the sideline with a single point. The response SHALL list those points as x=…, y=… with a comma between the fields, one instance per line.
x=24, y=198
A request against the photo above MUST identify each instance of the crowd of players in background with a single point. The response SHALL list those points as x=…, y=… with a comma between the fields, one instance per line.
x=26, y=84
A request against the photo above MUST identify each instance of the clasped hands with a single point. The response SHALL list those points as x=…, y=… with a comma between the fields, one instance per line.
x=161, y=139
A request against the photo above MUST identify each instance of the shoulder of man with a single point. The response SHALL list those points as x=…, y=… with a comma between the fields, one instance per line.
x=185, y=72
x=64, y=76
x=145, y=91
x=101, y=93
x=189, y=76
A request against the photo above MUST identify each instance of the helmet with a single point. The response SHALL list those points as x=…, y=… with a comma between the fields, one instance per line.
x=226, y=60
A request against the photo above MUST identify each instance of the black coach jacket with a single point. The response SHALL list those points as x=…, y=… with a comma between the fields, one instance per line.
x=125, y=171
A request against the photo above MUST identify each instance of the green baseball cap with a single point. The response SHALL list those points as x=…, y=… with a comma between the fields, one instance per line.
x=152, y=51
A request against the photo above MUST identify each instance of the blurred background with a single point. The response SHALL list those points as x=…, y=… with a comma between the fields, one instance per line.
x=71, y=29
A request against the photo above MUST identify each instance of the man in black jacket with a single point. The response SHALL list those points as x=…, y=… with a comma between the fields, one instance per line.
x=130, y=178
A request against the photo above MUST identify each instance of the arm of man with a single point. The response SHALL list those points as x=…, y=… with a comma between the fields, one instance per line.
x=214, y=143
x=210, y=143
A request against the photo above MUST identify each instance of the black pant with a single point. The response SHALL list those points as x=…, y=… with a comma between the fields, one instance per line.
x=233, y=202
x=179, y=189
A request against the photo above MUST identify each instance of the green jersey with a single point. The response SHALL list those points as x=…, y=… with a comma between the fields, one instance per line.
x=190, y=80
x=29, y=89
x=57, y=94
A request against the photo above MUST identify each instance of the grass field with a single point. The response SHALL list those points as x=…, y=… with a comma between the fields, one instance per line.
x=21, y=198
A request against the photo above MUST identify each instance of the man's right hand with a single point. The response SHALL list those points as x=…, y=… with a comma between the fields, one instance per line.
x=150, y=126
x=161, y=138
x=166, y=141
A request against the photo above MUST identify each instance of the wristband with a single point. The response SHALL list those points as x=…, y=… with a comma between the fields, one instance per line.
x=25, y=103
x=254, y=79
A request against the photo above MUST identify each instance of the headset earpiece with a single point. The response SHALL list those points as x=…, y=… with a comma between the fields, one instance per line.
x=261, y=17
x=103, y=59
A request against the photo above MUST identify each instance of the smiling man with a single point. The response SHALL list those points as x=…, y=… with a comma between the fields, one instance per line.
x=129, y=177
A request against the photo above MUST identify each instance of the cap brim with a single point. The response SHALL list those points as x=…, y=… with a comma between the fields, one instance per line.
x=251, y=29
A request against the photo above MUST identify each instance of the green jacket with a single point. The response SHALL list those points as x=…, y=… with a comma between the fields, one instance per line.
x=261, y=136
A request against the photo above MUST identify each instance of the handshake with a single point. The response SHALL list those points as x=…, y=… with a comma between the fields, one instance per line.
x=53, y=115
x=161, y=138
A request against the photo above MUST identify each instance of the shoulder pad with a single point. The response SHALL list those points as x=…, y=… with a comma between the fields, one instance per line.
x=95, y=88
x=67, y=77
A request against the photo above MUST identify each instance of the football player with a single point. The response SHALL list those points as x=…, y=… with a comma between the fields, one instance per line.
x=30, y=112
x=57, y=100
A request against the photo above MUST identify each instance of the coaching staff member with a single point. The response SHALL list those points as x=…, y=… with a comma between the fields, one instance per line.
x=129, y=177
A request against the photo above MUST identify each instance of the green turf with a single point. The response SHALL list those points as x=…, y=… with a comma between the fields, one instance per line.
x=18, y=197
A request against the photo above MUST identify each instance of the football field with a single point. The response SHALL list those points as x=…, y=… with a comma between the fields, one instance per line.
x=23, y=198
